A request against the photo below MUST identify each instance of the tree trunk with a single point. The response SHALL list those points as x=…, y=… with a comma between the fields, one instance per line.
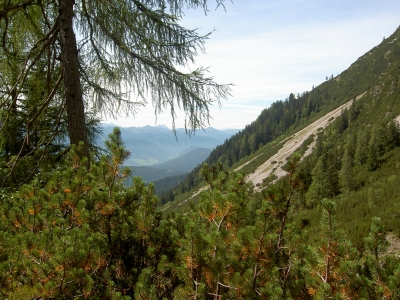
x=72, y=85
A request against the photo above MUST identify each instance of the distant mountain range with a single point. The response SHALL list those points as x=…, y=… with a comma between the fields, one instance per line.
x=174, y=167
x=153, y=145
x=157, y=154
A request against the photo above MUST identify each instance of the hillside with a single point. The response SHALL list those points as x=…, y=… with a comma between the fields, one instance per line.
x=374, y=75
x=174, y=167
x=291, y=144
x=187, y=160
x=346, y=134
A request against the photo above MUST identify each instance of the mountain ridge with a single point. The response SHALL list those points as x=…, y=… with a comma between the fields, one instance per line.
x=152, y=145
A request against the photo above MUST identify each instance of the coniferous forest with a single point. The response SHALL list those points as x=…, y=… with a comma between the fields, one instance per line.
x=70, y=228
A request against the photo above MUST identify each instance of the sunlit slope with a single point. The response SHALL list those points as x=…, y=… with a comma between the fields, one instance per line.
x=371, y=84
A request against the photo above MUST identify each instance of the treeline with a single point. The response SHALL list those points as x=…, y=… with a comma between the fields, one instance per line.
x=72, y=233
x=279, y=119
x=165, y=185
x=356, y=166
x=273, y=122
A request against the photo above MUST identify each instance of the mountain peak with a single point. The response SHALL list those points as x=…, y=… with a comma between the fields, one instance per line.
x=162, y=126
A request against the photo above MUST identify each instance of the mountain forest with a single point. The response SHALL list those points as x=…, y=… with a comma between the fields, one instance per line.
x=323, y=223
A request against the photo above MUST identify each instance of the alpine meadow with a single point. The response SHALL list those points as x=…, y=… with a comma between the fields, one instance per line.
x=303, y=203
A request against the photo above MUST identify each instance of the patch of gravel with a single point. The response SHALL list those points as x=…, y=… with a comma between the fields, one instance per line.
x=291, y=145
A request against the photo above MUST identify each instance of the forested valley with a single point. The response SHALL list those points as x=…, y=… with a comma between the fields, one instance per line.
x=70, y=227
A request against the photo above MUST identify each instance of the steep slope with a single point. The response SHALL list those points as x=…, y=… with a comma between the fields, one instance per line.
x=372, y=83
x=174, y=167
x=273, y=165
x=187, y=161
x=291, y=144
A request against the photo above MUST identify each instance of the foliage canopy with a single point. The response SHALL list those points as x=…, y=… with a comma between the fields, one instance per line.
x=65, y=63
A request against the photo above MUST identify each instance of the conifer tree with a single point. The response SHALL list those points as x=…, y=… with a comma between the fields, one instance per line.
x=342, y=122
x=393, y=134
x=353, y=112
x=346, y=173
x=99, y=56
x=332, y=265
x=376, y=147
x=29, y=130
x=281, y=196
x=361, y=154
x=325, y=177
x=376, y=245
x=213, y=255
x=73, y=233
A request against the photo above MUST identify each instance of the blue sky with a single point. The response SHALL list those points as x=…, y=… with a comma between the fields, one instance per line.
x=269, y=49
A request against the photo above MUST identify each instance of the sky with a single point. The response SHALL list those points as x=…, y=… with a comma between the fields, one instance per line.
x=269, y=49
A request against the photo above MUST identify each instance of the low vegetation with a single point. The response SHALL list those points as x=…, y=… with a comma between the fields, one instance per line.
x=72, y=233
x=327, y=229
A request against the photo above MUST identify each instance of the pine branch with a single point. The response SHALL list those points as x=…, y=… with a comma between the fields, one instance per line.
x=22, y=5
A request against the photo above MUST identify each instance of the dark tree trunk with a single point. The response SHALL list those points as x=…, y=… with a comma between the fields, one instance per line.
x=72, y=85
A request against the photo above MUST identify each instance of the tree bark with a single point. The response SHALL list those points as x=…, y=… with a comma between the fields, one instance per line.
x=72, y=85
